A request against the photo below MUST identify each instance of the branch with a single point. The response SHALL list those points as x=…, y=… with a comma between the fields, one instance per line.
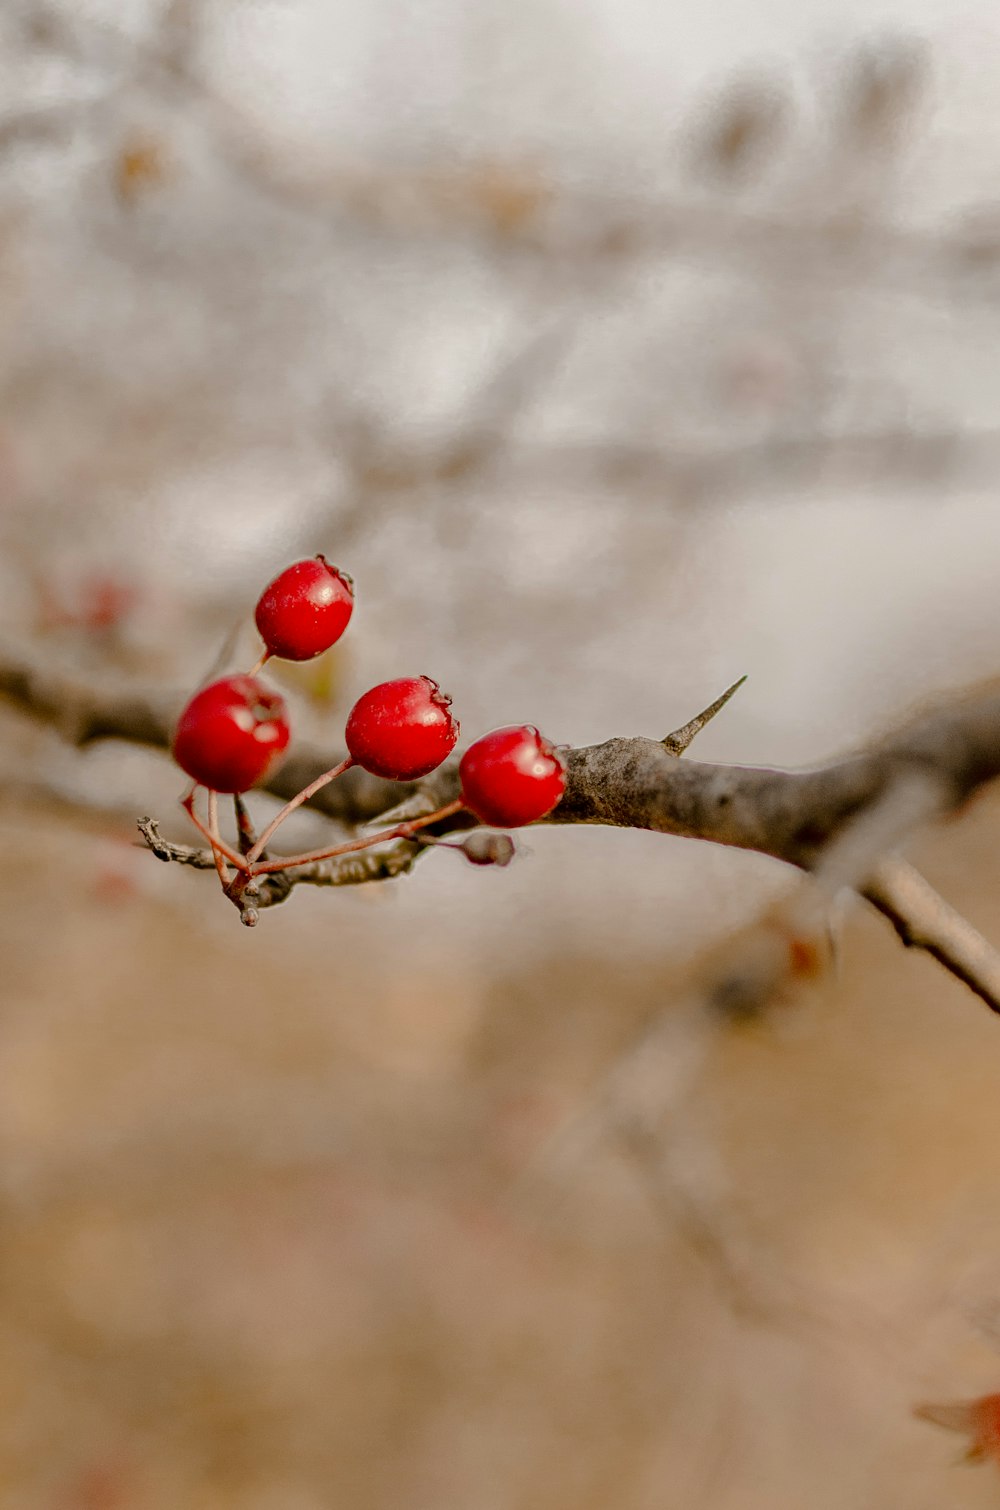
x=785, y=460
x=793, y=816
x=624, y=782
x=342, y=870
x=924, y=920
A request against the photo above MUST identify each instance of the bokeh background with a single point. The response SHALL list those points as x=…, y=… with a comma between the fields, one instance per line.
x=618, y=350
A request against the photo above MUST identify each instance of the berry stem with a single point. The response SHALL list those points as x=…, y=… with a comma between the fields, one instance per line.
x=244, y=826
x=213, y=828
x=401, y=831
x=259, y=666
x=187, y=803
x=297, y=801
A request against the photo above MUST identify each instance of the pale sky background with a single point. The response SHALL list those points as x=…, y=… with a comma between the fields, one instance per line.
x=845, y=601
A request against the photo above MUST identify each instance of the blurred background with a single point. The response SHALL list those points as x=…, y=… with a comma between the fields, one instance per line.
x=617, y=350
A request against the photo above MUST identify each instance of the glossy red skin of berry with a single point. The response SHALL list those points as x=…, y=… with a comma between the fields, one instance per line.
x=231, y=734
x=512, y=776
x=305, y=609
x=402, y=729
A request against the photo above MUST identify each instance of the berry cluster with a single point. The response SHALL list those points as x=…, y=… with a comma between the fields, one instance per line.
x=233, y=733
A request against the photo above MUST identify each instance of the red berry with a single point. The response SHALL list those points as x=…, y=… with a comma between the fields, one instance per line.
x=305, y=609
x=402, y=729
x=512, y=776
x=231, y=734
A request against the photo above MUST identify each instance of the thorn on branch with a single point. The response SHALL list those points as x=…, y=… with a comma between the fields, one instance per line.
x=244, y=825
x=677, y=742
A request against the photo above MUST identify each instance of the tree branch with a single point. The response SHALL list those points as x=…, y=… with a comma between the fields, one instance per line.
x=924, y=920
x=793, y=816
x=342, y=870
x=624, y=782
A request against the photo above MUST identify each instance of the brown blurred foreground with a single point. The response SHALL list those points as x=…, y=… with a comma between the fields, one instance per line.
x=272, y=1240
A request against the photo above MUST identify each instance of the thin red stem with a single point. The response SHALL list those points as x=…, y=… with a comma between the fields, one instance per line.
x=297, y=801
x=187, y=803
x=213, y=828
x=244, y=827
x=401, y=831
